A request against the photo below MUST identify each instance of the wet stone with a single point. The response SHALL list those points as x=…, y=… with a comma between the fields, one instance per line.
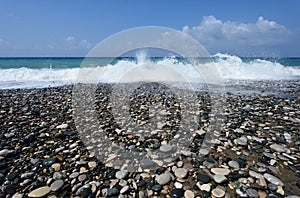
x=156, y=188
x=40, y=192
x=234, y=164
x=181, y=172
x=48, y=162
x=220, y=171
x=121, y=174
x=56, y=185
x=125, y=189
x=278, y=147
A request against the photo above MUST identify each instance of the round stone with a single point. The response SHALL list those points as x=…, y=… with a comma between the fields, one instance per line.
x=82, y=177
x=48, y=162
x=163, y=178
x=40, y=192
x=121, y=174
x=252, y=193
x=55, y=186
x=272, y=179
x=219, y=178
x=92, y=164
x=189, y=194
x=178, y=185
x=181, y=172
x=217, y=192
x=74, y=175
x=156, y=188
x=220, y=171
x=234, y=164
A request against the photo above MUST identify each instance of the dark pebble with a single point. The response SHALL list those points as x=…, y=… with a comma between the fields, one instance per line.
x=48, y=162
x=156, y=188
x=203, y=178
x=177, y=193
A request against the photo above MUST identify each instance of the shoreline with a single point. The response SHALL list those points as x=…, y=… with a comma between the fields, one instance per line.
x=255, y=153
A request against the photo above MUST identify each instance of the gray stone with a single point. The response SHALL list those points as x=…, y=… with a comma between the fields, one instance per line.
x=252, y=193
x=219, y=178
x=278, y=147
x=167, y=148
x=124, y=190
x=163, y=178
x=272, y=179
x=242, y=141
x=189, y=194
x=40, y=192
x=121, y=174
x=181, y=172
x=56, y=185
x=255, y=174
x=234, y=164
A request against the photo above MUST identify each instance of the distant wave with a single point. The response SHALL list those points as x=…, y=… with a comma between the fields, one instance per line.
x=229, y=67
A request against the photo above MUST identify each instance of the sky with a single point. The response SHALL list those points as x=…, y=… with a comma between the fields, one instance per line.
x=72, y=28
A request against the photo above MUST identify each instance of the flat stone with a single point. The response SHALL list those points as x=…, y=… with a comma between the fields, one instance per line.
x=156, y=188
x=234, y=164
x=220, y=171
x=272, y=179
x=181, y=172
x=74, y=175
x=56, y=185
x=278, y=147
x=56, y=166
x=178, y=185
x=163, y=178
x=121, y=174
x=92, y=164
x=48, y=162
x=255, y=174
x=40, y=192
x=252, y=193
x=82, y=177
x=219, y=178
x=189, y=194
x=6, y=152
x=147, y=163
x=217, y=192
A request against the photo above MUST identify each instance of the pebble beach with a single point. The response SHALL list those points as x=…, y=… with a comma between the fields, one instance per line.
x=256, y=152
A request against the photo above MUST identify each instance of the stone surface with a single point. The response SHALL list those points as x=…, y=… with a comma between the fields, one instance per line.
x=217, y=192
x=181, y=172
x=220, y=171
x=56, y=185
x=219, y=178
x=40, y=192
x=273, y=179
x=163, y=178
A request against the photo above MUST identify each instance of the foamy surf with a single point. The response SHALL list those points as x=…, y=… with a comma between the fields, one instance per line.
x=229, y=67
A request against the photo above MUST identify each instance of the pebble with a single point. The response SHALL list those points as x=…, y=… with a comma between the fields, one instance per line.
x=56, y=185
x=166, y=148
x=273, y=179
x=121, y=174
x=219, y=178
x=176, y=193
x=205, y=187
x=217, y=192
x=181, y=172
x=242, y=141
x=189, y=194
x=125, y=189
x=220, y=171
x=156, y=188
x=252, y=193
x=234, y=164
x=62, y=126
x=40, y=192
x=203, y=178
x=163, y=178
x=56, y=166
x=278, y=147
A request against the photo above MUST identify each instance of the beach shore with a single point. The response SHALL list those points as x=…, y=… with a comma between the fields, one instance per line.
x=255, y=152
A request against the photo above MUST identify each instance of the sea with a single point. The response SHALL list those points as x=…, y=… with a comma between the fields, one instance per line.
x=37, y=72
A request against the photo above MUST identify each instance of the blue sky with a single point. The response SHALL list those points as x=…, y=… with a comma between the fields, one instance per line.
x=73, y=28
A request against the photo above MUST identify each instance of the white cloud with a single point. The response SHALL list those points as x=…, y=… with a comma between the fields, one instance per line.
x=70, y=39
x=218, y=35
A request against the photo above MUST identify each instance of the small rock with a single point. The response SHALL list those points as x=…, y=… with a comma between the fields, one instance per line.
x=121, y=174
x=56, y=166
x=252, y=193
x=242, y=141
x=163, y=178
x=205, y=187
x=273, y=179
x=40, y=192
x=234, y=164
x=203, y=178
x=167, y=148
x=217, y=192
x=219, y=178
x=124, y=190
x=62, y=126
x=278, y=147
x=156, y=188
x=55, y=186
x=177, y=193
x=189, y=194
x=220, y=171
x=92, y=164
x=181, y=172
